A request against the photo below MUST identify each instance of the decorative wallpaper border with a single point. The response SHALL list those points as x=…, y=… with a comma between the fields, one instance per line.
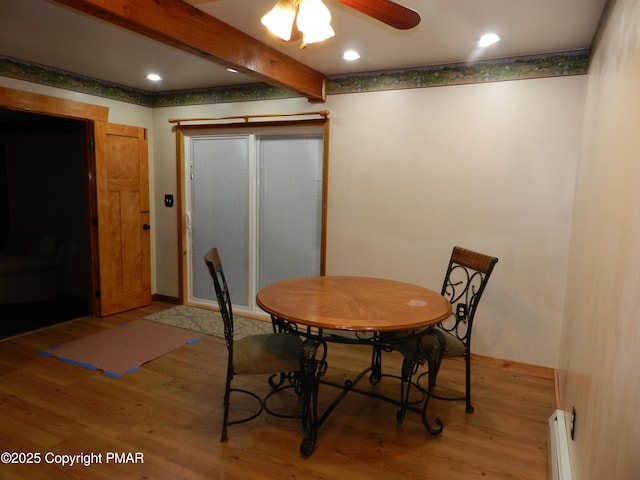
x=537, y=66
x=34, y=73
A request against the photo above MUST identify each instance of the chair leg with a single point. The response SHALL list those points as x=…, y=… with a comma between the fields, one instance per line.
x=225, y=416
x=469, y=407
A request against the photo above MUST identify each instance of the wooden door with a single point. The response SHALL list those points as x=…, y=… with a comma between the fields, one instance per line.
x=123, y=274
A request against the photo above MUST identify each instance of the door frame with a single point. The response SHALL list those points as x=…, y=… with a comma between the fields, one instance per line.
x=24, y=101
x=188, y=129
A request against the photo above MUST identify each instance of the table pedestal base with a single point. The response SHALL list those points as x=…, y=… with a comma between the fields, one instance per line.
x=312, y=371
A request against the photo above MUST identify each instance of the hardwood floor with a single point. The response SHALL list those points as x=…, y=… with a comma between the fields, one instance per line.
x=168, y=414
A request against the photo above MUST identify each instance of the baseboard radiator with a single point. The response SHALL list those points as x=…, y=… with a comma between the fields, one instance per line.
x=559, y=464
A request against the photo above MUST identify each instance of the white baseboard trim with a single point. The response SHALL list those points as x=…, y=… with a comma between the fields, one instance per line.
x=559, y=461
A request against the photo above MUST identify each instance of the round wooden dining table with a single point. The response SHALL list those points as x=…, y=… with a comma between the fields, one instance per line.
x=363, y=308
x=354, y=303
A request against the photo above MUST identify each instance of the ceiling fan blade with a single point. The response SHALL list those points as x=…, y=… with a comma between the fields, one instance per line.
x=386, y=11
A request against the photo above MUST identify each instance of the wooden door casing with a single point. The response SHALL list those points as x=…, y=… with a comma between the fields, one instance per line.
x=134, y=268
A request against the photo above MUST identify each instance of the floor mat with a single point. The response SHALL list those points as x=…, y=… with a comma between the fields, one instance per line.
x=209, y=321
x=123, y=349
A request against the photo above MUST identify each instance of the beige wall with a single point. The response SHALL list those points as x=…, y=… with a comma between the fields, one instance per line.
x=412, y=172
x=600, y=352
x=489, y=167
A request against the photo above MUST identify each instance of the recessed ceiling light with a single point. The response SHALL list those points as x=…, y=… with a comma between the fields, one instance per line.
x=154, y=77
x=351, y=55
x=232, y=70
x=488, y=39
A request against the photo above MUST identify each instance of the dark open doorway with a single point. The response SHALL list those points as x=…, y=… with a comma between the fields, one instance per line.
x=43, y=212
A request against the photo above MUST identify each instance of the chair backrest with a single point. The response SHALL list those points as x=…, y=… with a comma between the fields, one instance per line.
x=212, y=259
x=466, y=278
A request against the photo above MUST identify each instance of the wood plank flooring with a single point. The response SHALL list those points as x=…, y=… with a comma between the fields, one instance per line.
x=167, y=416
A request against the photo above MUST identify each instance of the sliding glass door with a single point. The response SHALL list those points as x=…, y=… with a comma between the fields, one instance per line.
x=219, y=214
x=258, y=197
x=289, y=208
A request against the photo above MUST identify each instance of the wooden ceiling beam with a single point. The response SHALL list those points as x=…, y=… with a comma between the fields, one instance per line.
x=176, y=23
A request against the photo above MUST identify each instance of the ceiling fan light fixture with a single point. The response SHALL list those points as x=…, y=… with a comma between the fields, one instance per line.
x=279, y=20
x=314, y=21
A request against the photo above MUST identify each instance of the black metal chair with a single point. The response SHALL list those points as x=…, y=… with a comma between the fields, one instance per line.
x=464, y=283
x=275, y=353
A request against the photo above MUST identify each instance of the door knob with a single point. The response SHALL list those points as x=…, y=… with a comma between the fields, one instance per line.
x=146, y=226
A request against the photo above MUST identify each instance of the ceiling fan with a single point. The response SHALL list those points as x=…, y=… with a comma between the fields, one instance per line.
x=313, y=19
x=388, y=12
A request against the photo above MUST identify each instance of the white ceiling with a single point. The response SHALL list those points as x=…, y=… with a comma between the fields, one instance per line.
x=45, y=33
